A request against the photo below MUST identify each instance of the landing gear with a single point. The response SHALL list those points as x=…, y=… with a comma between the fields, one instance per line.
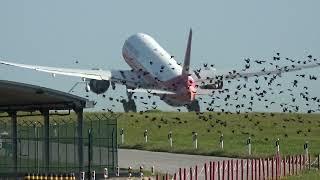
x=129, y=105
x=194, y=106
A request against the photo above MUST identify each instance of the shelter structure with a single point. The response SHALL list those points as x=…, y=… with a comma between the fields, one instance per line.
x=16, y=97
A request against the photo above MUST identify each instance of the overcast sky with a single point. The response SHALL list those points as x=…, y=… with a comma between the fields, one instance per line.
x=57, y=33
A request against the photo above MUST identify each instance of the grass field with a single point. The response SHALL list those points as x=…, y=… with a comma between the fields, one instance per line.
x=292, y=130
x=308, y=175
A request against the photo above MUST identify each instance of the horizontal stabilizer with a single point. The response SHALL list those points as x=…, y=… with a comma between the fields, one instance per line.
x=151, y=91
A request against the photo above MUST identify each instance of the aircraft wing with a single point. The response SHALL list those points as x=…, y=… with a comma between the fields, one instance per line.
x=126, y=77
x=89, y=74
x=245, y=75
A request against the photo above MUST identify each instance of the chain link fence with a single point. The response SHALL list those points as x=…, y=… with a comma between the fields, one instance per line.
x=63, y=143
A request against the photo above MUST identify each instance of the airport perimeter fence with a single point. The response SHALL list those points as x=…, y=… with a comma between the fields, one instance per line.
x=63, y=144
x=276, y=167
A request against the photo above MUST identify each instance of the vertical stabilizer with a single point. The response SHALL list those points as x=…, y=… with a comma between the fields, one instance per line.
x=186, y=63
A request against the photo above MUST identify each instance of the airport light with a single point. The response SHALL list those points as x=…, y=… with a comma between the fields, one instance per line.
x=306, y=148
x=122, y=135
x=195, y=139
x=145, y=135
x=249, y=146
x=221, y=141
x=170, y=138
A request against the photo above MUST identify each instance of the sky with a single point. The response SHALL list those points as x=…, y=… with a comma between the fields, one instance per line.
x=58, y=33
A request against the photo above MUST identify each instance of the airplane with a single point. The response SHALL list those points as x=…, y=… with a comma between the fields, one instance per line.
x=155, y=71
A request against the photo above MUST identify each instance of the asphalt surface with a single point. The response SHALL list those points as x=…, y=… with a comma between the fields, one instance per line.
x=162, y=162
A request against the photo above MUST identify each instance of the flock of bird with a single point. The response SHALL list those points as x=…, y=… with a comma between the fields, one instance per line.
x=242, y=96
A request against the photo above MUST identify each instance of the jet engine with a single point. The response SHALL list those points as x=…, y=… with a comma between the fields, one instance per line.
x=98, y=86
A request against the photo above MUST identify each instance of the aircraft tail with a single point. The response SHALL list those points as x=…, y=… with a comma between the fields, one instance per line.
x=186, y=64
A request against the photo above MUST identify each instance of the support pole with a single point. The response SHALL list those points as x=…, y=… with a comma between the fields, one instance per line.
x=46, y=143
x=80, y=138
x=14, y=141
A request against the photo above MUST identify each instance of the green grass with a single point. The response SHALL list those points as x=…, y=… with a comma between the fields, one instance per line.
x=292, y=129
x=307, y=175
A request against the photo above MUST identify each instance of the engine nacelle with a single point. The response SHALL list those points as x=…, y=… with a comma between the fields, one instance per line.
x=98, y=86
x=216, y=85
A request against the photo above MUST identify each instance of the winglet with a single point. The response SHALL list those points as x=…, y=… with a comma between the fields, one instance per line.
x=186, y=64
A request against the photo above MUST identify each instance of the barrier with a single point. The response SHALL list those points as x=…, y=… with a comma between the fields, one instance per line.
x=259, y=168
x=37, y=176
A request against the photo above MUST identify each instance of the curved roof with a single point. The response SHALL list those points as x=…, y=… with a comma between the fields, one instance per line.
x=19, y=97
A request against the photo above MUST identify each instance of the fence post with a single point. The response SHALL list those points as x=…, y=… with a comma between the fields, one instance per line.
x=221, y=141
x=231, y=169
x=284, y=166
x=263, y=168
x=184, y=174
x=223, y=168
x=259, y=173
x=272, y=168
x=180, y=174
x=196, y=173
x=319, y=162
x=219, y=175
x=210, y=170
x=228, y=170
x=292, y=161
x=237, y=169
x=309, y=159
x=289, y=167
x=242, y=168
x=213, y=170
x=90, y=153
x=205, y=171
x=268, y=161
x=248, y=168
x=300, y=162
x=252, y=172
x=296, y=160
x=191, y=173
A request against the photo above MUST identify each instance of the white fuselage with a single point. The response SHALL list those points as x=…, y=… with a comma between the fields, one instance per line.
x=143, y=53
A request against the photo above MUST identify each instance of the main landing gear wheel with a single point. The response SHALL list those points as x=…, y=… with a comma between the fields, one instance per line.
x=194, y=106
x=129, y=105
